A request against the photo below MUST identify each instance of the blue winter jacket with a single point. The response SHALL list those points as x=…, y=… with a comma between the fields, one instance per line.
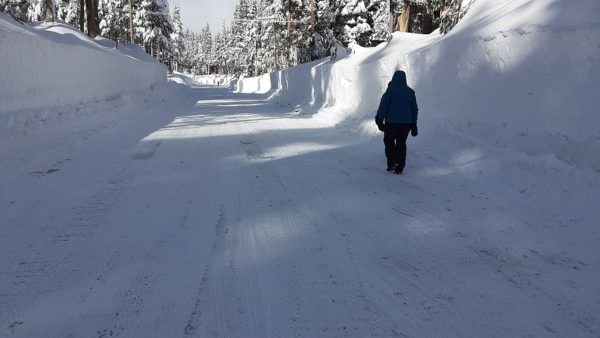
x=398, y=103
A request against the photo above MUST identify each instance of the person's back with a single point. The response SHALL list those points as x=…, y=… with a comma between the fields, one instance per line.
x=396, y=117
x=399, y=103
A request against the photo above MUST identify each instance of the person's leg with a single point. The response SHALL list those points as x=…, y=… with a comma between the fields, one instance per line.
x=390, y=147
x=400, y=139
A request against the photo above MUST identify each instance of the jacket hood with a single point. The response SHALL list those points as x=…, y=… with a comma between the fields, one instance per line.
x=399, y=79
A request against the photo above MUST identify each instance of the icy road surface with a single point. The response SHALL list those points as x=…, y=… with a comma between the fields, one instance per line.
x=211, y=214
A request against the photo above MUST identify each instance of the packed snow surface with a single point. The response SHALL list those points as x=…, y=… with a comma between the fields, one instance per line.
x=198, y=211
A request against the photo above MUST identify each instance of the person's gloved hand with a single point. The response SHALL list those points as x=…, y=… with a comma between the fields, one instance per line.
x=380, y=124
x=414, y=131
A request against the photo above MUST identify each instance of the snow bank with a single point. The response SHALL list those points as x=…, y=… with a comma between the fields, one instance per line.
x=259, y=84
x=182, y=78
x=54, y=65
x=214, y=80
x=521, y=74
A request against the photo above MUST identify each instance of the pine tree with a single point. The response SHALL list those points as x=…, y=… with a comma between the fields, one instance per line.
x=324, y=36
x=300, y=45
x=15, y=8
x=113, y=21
x=219, y=51
x=380, y=12
x=187, y=52
x=36, y=10
x=156, y=27
x=357, y=23
x=177, y=39
x=253, y=27
x=240, y=41
x=274, y=39
x=68, y=11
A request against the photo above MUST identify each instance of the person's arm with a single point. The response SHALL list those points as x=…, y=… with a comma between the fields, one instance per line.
x=384, y=106
x=415, y=109
x=382, y=111
x=414, y=131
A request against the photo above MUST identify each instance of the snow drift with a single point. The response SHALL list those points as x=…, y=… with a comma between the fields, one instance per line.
x=214, y=80
x=54, y=65
x=519, y=74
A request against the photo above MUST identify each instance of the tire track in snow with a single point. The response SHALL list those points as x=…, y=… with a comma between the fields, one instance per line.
x=52, y=259
x=334, y=287
x=195, y=320
x=50, y=256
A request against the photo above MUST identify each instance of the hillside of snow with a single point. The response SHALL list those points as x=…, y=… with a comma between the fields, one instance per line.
x=48, y=65
x=521, y=75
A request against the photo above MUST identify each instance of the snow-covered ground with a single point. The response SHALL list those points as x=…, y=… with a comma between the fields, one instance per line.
x=212, y=214
x=198, y=211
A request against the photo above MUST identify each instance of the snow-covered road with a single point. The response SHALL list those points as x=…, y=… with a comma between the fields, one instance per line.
x=221, y=215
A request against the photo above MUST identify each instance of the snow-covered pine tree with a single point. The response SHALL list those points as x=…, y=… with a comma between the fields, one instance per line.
x=204, y=43
x=231, y=53
x=357, y=22
x=220, y=51
x=262, y=27
x=253, y=26
x=36, y=10
x=208, y=46
x=156, y=27
x=380, y=12
x=239, y=41
x=300, y=44
x=139, y=21
x=189, y=51
x=324, y=36
x=15, y=8
x=113, y=22
x=165, y=29
x=61, y=9
x=177, y=39
x=274, y=36
x=135, y=23
x=192, y=52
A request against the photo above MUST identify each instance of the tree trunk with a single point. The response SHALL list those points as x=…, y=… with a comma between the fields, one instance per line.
x=404, y=20
x=49, y=11
x=289, y=23
x=131, y=29
x=158, y=51
x=92, y=18
x=82, y=15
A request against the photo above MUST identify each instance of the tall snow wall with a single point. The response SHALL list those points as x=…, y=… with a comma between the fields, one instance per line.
x=521, y=74
x=54, y=65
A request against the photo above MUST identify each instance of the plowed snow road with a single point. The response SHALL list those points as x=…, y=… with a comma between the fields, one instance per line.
x=219, y=215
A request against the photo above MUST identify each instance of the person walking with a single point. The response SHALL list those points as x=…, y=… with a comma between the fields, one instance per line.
x=397, y=117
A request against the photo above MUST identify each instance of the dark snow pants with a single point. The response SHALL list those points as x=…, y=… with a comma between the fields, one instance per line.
x=394, y=138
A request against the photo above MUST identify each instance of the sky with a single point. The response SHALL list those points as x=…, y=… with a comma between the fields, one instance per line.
x=196, y=13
